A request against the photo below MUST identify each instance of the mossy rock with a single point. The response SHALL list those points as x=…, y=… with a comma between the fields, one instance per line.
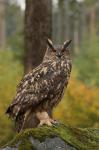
x=58, y=137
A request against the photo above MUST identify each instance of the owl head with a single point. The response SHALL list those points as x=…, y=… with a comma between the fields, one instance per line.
x=57, y=52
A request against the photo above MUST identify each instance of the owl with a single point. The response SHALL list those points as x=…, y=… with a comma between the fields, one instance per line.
x=42, y=89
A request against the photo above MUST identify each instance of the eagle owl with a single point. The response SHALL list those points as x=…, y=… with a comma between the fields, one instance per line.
x=42, y=89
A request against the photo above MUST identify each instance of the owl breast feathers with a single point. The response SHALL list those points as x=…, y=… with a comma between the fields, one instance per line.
x=41, y=89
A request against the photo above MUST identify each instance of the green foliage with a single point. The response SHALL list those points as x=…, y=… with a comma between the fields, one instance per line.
x=16, y=43
x=80, y=105
x=87, y=62
x=14, y=17
x=90, y=2
x=10, y=74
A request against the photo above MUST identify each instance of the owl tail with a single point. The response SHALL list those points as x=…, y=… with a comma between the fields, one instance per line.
x=13, y=111
x=27, y=120
x=20, y=123
x=10, y=112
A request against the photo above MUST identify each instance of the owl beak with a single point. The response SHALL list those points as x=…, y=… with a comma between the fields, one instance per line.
x=59, y=55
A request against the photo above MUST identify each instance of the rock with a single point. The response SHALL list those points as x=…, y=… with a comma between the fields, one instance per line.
x=57, y=137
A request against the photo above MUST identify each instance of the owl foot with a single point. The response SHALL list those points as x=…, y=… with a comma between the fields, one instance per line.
x=45, y=122
x=44, y=118
x=55, y=122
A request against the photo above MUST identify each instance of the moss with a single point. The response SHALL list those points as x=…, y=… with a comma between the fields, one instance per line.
x=26, y=145
x=82, y=139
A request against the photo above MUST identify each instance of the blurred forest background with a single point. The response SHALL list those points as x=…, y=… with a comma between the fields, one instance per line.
x=64, y=19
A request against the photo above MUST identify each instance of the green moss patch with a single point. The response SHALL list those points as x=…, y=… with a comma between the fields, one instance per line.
x=81, y=139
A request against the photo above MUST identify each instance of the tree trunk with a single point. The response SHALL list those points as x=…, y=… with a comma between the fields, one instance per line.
x=38, y=26
x=92, y=22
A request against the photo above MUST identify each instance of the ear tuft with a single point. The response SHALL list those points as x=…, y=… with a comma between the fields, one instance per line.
x=50, y=44
x=66, y=44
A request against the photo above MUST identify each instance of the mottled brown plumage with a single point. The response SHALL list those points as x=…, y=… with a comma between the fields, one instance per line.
x=42, y=89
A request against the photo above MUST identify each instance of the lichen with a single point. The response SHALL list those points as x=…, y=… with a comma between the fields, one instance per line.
x=81, y=139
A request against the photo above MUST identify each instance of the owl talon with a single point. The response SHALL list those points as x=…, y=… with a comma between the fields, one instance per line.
x=54, y=122
x=45, y=122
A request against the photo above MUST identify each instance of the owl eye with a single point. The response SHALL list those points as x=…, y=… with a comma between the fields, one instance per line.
x=50, y=44
x=65, y=45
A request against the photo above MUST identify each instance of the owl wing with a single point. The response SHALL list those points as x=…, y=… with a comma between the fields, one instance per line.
x=33, y=89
